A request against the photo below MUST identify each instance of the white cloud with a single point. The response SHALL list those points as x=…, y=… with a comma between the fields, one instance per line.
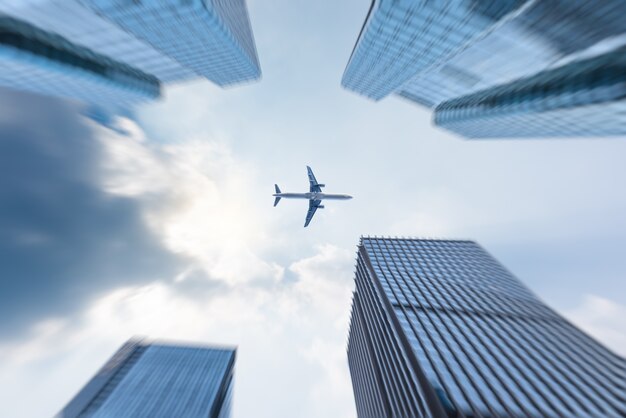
x=336, y=386
x=326, y=279
x=197, y=197
x=603, y=319
x=325, y=286
x=182, y=115
x=289, y=333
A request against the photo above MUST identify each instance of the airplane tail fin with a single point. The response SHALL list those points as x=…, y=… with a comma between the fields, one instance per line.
x=277, y=197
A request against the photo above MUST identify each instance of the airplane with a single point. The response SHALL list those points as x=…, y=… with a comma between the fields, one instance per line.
x=314, y=195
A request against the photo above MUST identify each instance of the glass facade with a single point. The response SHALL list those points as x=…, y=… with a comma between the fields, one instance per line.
x=79, y=24
x=402, y=38
x=584, y=97
x=432, y=52
x=42, y=62
x=212, y=38
x=440, y=328
x=159, y=380
x=164, y=41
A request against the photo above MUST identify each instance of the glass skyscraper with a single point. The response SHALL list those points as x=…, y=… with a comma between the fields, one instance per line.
x=432, y=52
x=74, y=21
x=42, y=62
x=171, y=40
x=404, y=38
x=582, y=98
x=213, y=38
x=440, y=329
x=153, y=380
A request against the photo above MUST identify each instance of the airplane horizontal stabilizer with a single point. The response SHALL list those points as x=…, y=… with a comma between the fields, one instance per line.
x=276, y=201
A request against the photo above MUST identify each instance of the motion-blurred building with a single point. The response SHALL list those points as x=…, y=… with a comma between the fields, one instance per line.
x=440, y=329
x=211, y=38
x=41, y=62
x=172, y=40
x=586, y=97
x=434, y=52
x=153, y=380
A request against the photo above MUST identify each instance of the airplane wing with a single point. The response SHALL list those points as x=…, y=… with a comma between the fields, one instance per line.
x=313, y=204
x=315, y=187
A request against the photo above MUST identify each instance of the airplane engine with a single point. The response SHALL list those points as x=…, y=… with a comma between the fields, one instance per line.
x=320, y=206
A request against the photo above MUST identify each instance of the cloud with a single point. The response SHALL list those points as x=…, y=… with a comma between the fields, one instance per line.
x=330, y=357
x=196, y=197
x=325, y=279
x=86, y=209
x=291, y=339
x=62, y=238
x=603, y=319
x=132, y=236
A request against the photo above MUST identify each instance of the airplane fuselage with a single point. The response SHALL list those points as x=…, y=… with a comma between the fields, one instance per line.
x=313, y=196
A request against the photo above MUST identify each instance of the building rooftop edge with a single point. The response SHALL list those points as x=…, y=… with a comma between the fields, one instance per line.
x=404, y=238
x=143, y=341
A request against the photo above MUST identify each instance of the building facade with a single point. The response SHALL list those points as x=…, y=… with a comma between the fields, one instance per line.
x=432, y=52
x=42, y=62
x=582, y=98
x=155, y=380
x=213, y=38
x=74, y=21
x=440, y=329
x=173, y=40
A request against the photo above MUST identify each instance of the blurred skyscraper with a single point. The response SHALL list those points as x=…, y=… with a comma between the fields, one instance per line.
x=586, y=97
x=42, y=62
x=213, y=38
x=432, y=52
x=159, y=380
x=440, y=329
x=172, y=40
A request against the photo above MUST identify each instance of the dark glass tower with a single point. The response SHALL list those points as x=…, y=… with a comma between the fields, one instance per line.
x=159, y=380
x=439, y=328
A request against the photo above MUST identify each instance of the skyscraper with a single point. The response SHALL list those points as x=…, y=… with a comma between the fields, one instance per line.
x=79, y=24
x=402, y=39
x=439, y=328
x=582, y=98
x=154, y=380
x=213, y=38
x=42, y=62
x=172, y=40
x=432, y=52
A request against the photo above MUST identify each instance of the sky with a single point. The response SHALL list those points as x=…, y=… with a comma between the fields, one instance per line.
x=165, y=228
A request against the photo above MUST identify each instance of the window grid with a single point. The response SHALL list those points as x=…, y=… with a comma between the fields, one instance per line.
x=485, y=344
